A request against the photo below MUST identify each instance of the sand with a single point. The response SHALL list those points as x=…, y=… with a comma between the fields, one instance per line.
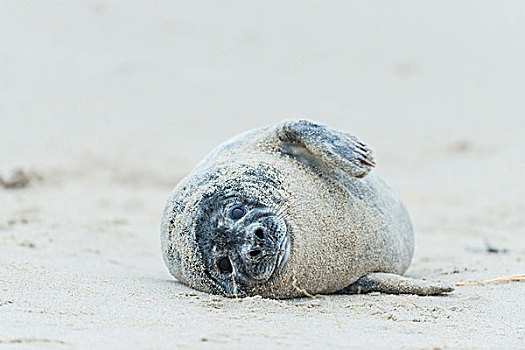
x=104, y=106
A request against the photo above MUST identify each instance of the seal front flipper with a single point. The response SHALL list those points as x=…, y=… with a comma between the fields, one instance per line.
x=395, y=284
x=341, y=150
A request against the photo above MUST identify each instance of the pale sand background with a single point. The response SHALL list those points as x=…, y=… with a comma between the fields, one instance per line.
x=112, y=102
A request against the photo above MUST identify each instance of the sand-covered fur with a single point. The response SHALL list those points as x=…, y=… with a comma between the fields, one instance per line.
x=315, y=217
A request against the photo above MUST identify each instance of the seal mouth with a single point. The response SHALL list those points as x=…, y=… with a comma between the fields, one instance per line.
x=239, y=286
x=265, y=248
x=261, y=255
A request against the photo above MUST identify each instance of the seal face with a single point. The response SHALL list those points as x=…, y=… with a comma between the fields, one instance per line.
x=285, y=209
x=235, y=227
x=242, y=242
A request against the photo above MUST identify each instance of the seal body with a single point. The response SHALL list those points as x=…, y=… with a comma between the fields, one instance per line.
x=283, y=211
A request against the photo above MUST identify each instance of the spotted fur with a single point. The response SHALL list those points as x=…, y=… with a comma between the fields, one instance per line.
x=316, y=218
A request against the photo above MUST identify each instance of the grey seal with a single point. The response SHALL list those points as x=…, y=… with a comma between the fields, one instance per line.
x=288, y=210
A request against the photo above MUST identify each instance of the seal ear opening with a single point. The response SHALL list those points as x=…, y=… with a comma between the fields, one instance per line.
x=333, y=147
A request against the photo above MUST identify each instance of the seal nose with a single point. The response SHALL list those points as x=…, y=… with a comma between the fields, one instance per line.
x=254, y=254
x=260, y=243
x=260, y=233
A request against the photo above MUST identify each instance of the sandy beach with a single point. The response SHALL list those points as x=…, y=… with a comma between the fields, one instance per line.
x=105, y=106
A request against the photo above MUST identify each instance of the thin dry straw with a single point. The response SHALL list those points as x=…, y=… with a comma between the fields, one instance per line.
x=441, y=337
x=314, y=296
x=234, y=287
x=403, y=300
x=500, y=279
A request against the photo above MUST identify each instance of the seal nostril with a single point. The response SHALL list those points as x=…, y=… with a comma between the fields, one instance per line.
x=255, y=253
x=259, y=233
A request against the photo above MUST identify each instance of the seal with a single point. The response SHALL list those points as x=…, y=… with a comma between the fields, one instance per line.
x=286, y=210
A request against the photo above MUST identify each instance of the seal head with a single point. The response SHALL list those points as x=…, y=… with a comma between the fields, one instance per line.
x=242, y=242
x=237, y=230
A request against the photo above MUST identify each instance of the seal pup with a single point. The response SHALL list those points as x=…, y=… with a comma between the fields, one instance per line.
x=286, y=210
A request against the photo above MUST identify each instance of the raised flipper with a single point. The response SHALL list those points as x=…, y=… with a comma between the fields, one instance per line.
x=395, y=284
x=336, y=148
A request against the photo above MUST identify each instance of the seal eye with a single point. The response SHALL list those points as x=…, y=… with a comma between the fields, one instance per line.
x=237, y=212
x=224, y=265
